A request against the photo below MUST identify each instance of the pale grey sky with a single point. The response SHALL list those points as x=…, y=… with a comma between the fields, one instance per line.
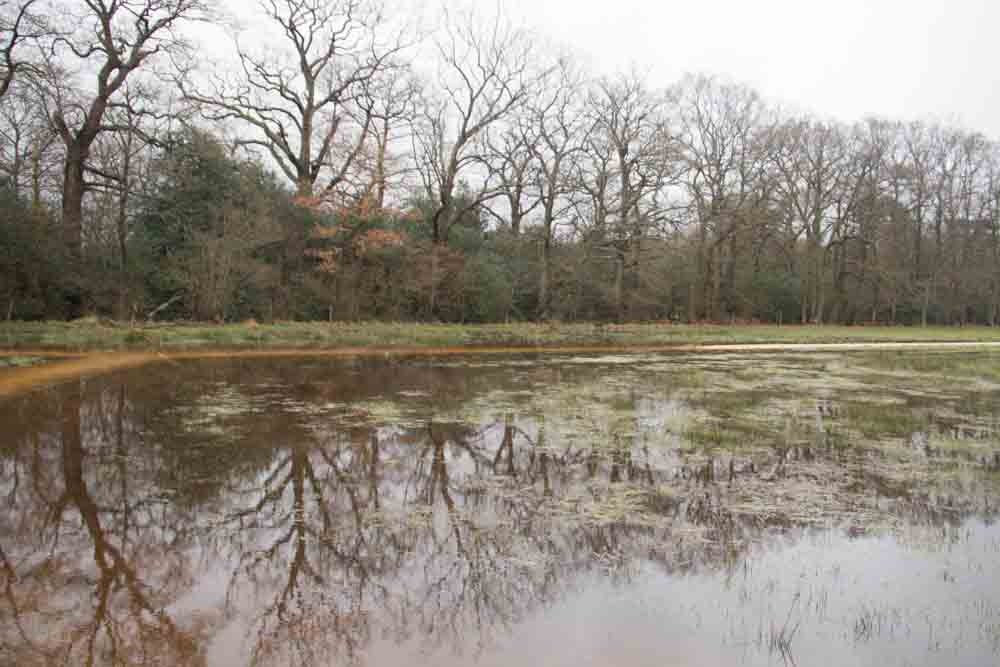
x=905, y=59
x=901, y=59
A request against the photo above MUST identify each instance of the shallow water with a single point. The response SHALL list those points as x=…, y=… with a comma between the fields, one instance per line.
x=709, y=509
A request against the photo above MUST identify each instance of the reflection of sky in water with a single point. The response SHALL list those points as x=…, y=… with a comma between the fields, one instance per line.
x=877, y=601
x=628, y=510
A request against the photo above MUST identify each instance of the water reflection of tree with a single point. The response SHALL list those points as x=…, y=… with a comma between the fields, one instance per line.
x=310, y=550
x=88, y=565
x=479, y=575
x=440, y=534
x=335, y=536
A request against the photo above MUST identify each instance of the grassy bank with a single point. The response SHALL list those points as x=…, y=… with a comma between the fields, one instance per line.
x=90, y=334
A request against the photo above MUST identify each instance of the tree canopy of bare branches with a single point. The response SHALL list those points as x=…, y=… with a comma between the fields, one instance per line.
x=311, y=104
x=20, y=25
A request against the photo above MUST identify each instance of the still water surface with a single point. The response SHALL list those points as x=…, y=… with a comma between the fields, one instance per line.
x=589, y=510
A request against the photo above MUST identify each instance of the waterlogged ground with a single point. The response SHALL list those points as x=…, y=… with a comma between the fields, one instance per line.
x=713, y=509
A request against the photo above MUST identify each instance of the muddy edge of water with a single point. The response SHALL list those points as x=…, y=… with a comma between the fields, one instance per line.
x=73, y=365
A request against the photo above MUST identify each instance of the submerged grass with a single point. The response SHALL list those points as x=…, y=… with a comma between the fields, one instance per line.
x=876, y=421
x=726, y=435
x=94, y=334
x=986, y=364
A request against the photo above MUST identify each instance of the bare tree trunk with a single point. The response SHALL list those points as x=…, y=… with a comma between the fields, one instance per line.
x=925, y=306
x=635, y=269
x=122, y=232
x=123, y=281
x=619, y=287
x=813, y=311
x=692, y=299
x=380, y=171
x=876, y=299
x=700, y=277
x=543, y=282
x=36, y=175
x=804, y=317
x=72, y=223
x=716, y=286
x=695, y=289
x=434, y=278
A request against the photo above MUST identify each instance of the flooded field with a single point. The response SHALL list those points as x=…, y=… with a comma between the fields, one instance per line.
x=656, y=509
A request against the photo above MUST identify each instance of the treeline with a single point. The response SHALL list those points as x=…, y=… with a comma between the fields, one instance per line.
x=346, y=164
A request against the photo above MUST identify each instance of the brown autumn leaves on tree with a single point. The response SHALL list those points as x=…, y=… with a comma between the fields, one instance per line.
x=462, y=171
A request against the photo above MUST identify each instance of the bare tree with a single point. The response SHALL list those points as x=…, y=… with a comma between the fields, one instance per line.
x=631, y=138
x=560, y=132
x=312, y=104
x=308, y=104
x=392, y=100
x=107, y=43
x=19, y=25
x=723, y=131
x=971, y=203
x=814, y=162
x=917, y=158
x=118, y=160
x=511, y=157
x=484, y=77
x=26, y=142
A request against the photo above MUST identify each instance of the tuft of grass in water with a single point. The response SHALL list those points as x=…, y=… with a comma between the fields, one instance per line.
x=706, y=433
x=876, y=421
x=728, y=434
x=779, y=638
x=727, y=404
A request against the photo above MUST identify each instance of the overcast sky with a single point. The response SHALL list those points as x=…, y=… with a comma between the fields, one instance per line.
x=904, y=59
x=846, y=59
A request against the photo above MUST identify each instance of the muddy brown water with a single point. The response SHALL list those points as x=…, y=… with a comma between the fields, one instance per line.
x=828, y=508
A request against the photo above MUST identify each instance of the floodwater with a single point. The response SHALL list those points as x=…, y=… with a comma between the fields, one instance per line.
x=658, y=509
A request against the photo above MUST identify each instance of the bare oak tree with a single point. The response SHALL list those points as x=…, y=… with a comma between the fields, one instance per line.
x=108, y=42
x=813, y=160
x=484, y=76
x=723, y=130
x=631, y=138
x=511, y=162
x=560, y=132
x=381, y=166
x=308, y=104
